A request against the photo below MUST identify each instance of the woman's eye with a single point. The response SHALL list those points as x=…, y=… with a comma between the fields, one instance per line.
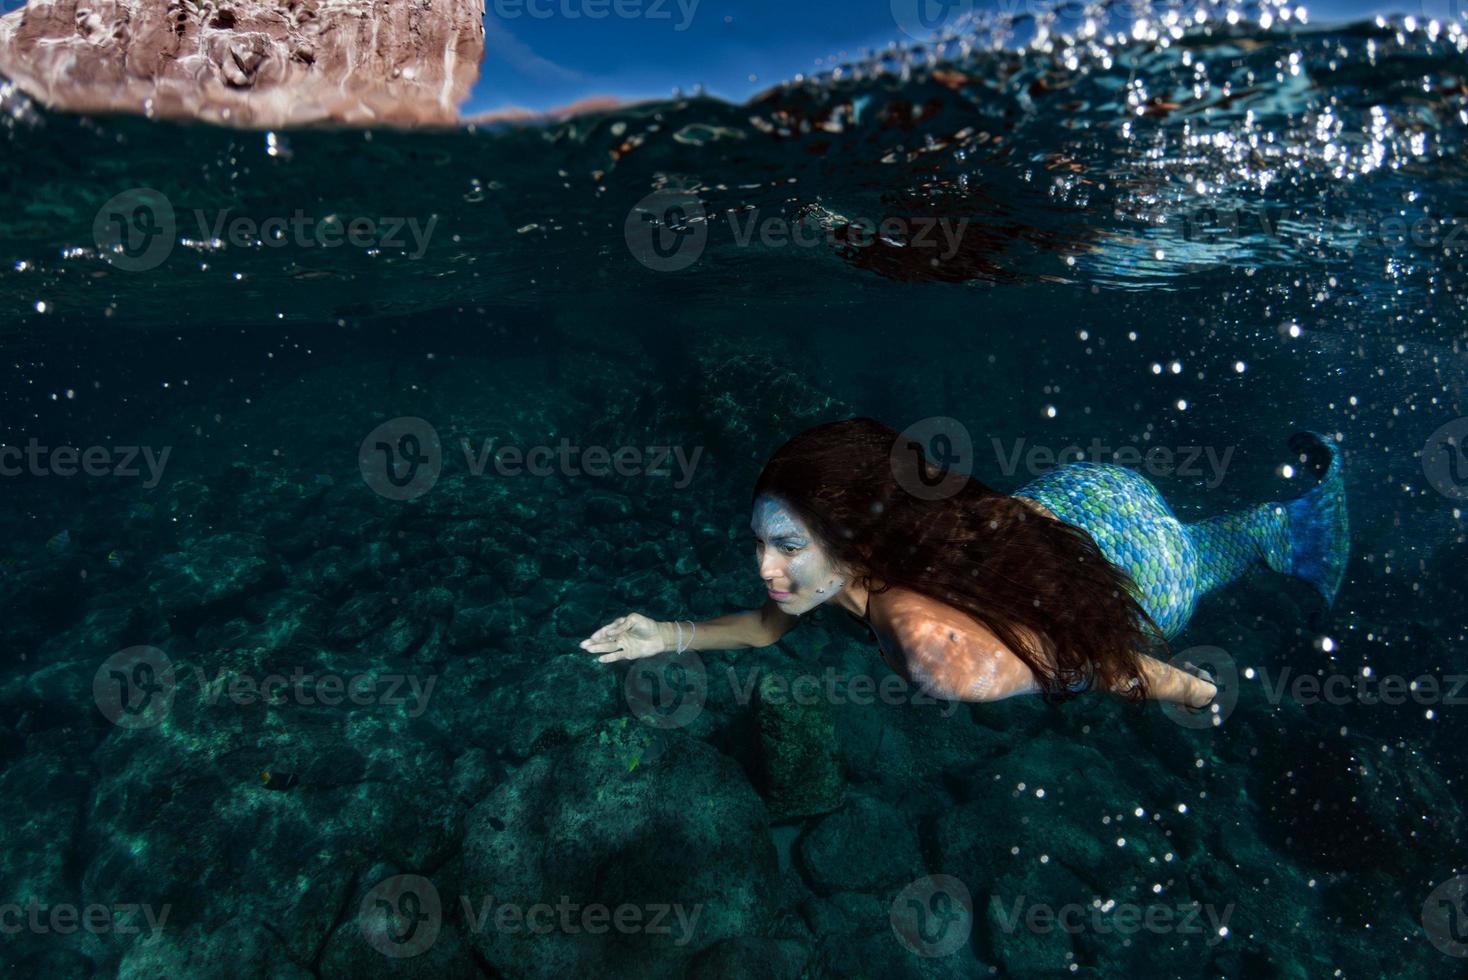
x=790, y=549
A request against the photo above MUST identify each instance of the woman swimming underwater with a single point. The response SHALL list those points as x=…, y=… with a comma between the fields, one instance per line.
x=1059, y=588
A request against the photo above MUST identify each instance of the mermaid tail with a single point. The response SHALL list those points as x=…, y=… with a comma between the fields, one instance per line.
x=1174, y=564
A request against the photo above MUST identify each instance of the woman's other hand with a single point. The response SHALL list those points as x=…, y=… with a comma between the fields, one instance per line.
x=630, y=637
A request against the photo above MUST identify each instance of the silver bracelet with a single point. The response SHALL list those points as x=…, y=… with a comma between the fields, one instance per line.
x=693, y=631
x=679, y=627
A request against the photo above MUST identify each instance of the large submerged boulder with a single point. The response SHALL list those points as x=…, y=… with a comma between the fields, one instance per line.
x=249, y=63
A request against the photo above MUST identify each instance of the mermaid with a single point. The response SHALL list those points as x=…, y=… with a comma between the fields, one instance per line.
x=1070, y=584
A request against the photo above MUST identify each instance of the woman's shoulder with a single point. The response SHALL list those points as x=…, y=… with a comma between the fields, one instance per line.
x=909, y=614
x=899, y=605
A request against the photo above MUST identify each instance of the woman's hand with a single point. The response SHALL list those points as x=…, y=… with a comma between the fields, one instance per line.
x=631, y=637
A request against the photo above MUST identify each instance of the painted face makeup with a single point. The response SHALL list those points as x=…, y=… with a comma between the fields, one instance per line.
x=797, y=572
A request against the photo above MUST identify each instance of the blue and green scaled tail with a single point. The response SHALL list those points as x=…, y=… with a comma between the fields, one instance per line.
x=1175, y=564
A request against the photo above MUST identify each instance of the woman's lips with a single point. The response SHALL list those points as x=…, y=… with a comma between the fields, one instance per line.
x=777, y=596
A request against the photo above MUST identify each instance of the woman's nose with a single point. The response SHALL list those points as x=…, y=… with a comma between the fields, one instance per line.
x=769, y=568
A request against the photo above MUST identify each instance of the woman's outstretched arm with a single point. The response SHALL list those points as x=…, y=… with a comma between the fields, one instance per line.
x=634, y=635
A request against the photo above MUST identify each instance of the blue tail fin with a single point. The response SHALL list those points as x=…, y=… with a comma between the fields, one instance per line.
x=1319, y=531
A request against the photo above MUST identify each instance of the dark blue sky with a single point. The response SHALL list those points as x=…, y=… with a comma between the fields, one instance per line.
x=544, y=53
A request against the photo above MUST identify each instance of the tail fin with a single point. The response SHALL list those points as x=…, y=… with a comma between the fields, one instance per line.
x=1307, y=537
x=1319, y=531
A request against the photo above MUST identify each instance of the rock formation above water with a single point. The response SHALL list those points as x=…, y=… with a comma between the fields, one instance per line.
x=249, y=63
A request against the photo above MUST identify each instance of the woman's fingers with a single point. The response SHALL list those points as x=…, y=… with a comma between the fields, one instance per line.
x=613, y=628
x=614, y=641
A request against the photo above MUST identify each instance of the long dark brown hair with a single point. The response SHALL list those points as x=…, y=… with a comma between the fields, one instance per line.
x=978, y=550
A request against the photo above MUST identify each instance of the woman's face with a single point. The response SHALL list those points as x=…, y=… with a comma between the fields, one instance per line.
x=797, y=572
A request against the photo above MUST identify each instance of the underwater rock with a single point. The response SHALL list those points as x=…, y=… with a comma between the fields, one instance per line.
x=360, y=616
x=568, y=697
x=749, y=958
x=623, y=817
x=214, y=571
x=376, y=938
x=800, y=759
x=46, y=797
x=241, y=949
x=249, y=63
x=477, y=627
x=837, y=853
x=1348, y=803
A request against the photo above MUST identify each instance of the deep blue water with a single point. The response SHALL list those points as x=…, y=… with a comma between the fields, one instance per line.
x=1189, y=249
